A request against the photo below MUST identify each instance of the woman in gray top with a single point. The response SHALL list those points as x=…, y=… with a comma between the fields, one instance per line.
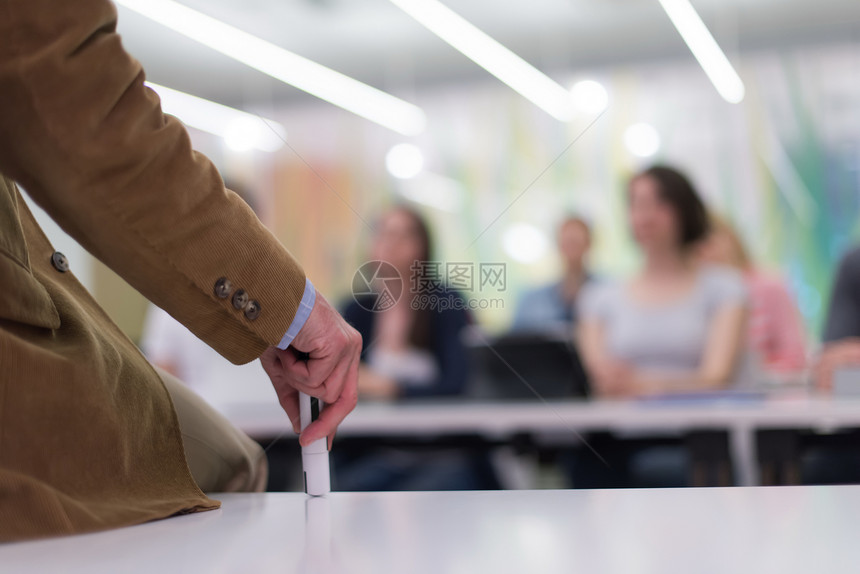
x=676, y=325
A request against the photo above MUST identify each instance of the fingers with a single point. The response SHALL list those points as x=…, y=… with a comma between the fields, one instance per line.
x=314, y=373
x=834, y=357
x=325, y=361
x=323, y=338
x=271, y=362
x=295, y=369
x=289, y=399
x=287, y=396
x=840, y=353
x=334, y=413
x=331, y=416
x=850, y=356
x=332, y=387
x=286, y=365
x=336, y=370
x=328, y=370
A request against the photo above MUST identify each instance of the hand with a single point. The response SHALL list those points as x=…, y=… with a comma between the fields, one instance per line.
x=844, y=353
x=374, y=386
x=328, y=371
x=614, y=379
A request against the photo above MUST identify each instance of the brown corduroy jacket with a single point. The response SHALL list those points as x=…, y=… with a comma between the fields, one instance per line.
x=88, y=436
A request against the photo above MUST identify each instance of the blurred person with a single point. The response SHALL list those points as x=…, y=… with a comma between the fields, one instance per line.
x=94, y=437
x=677, y=324
x=841, y=335
x=554, y=305
x=775, y=329
x=412, y=349
x=775, y=335
x=833, y=458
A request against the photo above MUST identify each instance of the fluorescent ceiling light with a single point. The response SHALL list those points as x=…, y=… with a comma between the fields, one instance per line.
x=241, y=131
x=706, y=50
x=490, y=55
x=589, y=97
x=324, y=83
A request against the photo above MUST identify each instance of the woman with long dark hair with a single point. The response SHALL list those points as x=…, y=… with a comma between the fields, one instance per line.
x=412, y=343
x=412, y=348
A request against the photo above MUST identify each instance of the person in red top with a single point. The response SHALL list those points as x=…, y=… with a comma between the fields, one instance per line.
x=775, y=333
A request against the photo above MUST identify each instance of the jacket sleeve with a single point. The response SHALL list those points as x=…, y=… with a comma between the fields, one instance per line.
x=89, y=143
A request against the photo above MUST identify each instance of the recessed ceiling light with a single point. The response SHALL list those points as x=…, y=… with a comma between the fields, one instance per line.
x=404, y=161
x=642, y=140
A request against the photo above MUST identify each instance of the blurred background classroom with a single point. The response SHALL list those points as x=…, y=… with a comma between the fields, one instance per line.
x=618, y=236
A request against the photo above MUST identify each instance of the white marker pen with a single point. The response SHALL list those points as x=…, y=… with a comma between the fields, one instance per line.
x=315, y=455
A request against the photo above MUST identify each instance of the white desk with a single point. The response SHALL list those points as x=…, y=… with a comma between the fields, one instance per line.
x=783, y=530
x=501, y=420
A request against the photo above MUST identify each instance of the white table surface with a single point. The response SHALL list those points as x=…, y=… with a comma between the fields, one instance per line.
x=781, y=530
x=499, y=420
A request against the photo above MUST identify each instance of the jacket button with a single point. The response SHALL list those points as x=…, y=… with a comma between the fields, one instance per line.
x=252, y=310
x=60, y=262
x=223, y=288
x=240, y=299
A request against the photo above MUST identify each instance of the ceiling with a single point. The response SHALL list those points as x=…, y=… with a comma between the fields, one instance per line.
x=373, y=41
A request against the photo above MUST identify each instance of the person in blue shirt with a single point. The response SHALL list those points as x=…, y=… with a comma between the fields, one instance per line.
x=553, y=306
